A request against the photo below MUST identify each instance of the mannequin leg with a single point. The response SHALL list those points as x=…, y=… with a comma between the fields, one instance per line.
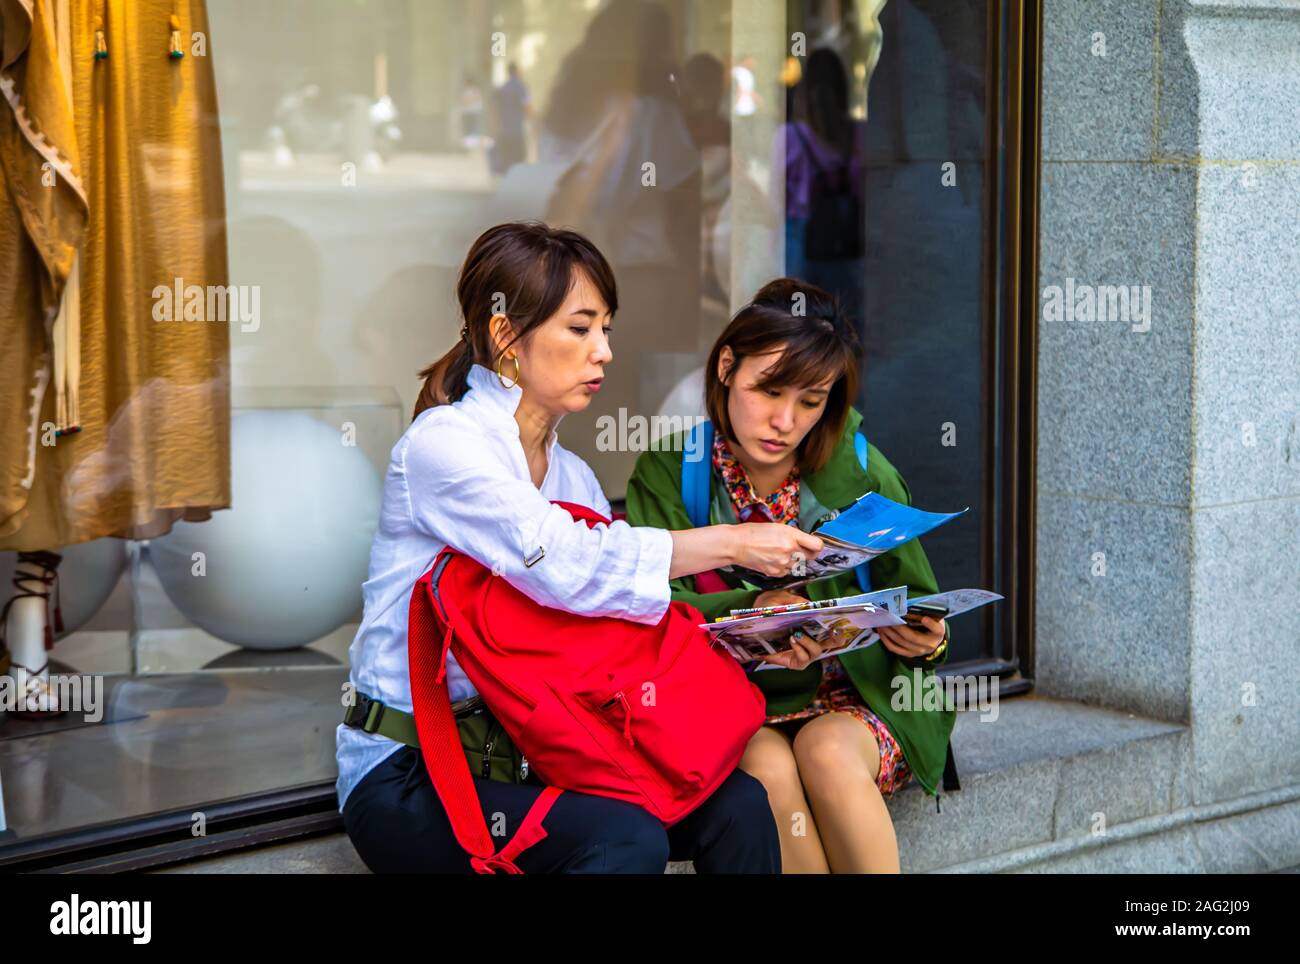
x=27, y=634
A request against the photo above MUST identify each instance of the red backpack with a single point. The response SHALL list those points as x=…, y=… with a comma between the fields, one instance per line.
x=653, y=715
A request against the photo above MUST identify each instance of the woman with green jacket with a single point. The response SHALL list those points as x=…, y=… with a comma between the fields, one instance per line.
x=778, y=387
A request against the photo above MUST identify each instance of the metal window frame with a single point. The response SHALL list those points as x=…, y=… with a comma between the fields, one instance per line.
x=157, y=840
x=1018, y=57
x=1013, y=117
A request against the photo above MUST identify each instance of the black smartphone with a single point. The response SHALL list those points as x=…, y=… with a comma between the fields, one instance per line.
x=934, y=610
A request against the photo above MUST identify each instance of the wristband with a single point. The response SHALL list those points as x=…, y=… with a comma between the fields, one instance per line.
x=939, y=650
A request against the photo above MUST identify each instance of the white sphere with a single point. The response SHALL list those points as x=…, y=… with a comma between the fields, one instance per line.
x=284, y=566
x=88, y=574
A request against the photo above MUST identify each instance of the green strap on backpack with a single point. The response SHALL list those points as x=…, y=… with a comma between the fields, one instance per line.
x=488, y=748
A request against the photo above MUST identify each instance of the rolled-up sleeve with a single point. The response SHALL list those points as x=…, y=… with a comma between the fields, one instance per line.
x=595, y=495
x=462, y=491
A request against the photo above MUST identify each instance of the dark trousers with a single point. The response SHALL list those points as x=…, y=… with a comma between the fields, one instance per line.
x=398, y=825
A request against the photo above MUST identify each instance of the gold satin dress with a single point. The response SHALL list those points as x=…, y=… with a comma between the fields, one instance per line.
x=111, y=423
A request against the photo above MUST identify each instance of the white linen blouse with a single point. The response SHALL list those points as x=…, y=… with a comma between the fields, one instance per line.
x=458, y=476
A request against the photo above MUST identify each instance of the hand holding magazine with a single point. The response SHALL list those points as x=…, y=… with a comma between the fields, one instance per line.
x=849, y=622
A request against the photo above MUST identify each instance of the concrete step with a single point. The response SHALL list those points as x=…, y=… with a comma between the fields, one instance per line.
x=1045, y=772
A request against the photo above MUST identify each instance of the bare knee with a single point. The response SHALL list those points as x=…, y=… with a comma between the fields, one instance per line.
x=834, y=752
x=769, y=759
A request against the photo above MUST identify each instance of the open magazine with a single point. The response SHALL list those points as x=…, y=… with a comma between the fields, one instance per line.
x=849, y=621
x=871, y=526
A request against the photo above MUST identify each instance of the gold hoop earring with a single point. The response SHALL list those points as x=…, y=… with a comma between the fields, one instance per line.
x=501, y=377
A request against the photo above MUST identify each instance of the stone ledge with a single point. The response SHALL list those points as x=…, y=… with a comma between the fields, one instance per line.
x=1039, y=776
x=329, y=854
x=1256, y=834
x=1045, y=770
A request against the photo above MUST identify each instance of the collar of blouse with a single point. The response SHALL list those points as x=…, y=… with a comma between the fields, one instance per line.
x=488, y=397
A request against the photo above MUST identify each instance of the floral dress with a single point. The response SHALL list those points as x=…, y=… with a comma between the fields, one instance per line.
x=836, y=694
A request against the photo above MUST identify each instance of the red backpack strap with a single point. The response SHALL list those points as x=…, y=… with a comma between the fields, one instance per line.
x=440, y=740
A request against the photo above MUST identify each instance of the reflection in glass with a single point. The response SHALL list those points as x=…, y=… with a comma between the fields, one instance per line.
x=362, y=145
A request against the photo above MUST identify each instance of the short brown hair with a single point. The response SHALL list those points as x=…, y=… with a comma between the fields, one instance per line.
x=819, y=342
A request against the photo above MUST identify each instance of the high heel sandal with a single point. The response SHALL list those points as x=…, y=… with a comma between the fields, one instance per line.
x=35, y=577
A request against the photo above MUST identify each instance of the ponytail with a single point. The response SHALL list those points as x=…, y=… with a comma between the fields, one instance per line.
x=446, y=380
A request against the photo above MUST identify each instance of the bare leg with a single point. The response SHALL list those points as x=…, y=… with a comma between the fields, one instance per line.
x=839, y=761
x=769, y=758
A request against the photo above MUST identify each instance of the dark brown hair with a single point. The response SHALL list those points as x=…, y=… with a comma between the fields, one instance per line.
x=819, y=342
x=524, y=270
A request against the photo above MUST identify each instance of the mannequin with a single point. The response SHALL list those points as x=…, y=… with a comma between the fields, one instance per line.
x=111, y=423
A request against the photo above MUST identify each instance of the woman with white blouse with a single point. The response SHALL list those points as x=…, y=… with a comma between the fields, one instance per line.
x=478, y=469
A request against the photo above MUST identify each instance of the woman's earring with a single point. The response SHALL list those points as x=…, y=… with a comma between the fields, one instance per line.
x=501, y=377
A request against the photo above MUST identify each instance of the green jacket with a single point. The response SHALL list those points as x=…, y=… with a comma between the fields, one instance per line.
x=654, y=499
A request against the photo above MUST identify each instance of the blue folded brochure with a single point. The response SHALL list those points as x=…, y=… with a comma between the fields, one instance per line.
x=871, y=526
x=877, y=524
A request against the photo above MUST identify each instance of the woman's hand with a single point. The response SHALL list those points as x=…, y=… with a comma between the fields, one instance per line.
x=917, y=639
x=763, y=546
x=804, y=649
x=769, y=548
x=777, y=597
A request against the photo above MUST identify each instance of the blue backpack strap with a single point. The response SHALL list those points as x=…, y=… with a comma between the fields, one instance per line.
x=860, y=444
x=863, y=572
x=696, y=475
